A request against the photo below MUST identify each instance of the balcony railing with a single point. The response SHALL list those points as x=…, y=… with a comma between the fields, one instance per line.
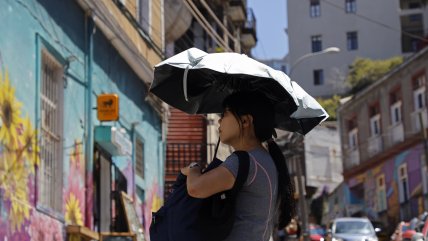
x=352, y=158
x=396, y=133
x=179, y=155
x=375, y=145
x=416, y=123
x=249, y=36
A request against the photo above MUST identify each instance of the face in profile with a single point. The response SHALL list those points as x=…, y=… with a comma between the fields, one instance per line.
x=229, y=129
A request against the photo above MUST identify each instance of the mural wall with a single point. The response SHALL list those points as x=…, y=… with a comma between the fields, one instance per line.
x=60, y=27
x=390, y=169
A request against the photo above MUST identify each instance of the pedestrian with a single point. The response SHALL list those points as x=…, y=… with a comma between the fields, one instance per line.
x=247, y=124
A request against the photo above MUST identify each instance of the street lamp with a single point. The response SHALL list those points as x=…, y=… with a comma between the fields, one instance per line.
x=298, y=163
x=325, y=51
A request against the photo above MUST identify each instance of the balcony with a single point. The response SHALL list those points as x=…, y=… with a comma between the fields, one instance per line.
x=375, y=145
x=178, y=20
x=237, y=11
x=396, y=133
x=410, y=4
x=416, y=123
x=352, y=158
x=248, y=36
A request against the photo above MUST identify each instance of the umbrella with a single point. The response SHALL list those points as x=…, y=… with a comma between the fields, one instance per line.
x=197, y=83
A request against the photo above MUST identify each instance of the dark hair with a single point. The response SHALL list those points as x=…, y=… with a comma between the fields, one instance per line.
x=262, y=110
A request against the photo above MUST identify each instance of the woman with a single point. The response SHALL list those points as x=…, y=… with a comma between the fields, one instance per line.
x=266, y=197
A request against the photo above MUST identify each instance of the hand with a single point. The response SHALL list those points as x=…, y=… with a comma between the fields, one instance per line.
x=185, y=170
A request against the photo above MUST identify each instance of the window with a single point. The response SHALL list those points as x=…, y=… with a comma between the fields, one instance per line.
x=352, y=40
x=374, y=112
x=419, y=98
x=353, y=138
x=419, y=92
x=50, y=172
x=316, y=43
x=350, y=6
x=395, y=108
x=424, y=174
x=318, y=77
x=396, y=113
x=144, y=15
x=139, y=157
x=381, y=193
x=315, y=8
x=375, y=125
x=403, y=185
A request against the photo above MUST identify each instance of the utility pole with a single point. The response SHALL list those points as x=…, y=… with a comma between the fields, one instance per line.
x=424, y=135
x=302, y=199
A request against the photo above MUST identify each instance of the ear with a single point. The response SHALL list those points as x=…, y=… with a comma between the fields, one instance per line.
x=247, y=120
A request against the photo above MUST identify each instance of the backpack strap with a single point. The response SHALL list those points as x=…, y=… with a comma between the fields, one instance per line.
x=244, y=168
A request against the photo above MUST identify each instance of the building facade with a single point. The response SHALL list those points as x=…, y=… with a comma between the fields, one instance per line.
x=363, y=28
x=381, y=131
x=60, y=165
x=323, y=158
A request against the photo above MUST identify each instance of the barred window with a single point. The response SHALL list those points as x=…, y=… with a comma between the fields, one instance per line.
x=51, y=165
x=139, y=158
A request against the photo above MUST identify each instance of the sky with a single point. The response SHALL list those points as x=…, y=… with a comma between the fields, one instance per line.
x=271, y=17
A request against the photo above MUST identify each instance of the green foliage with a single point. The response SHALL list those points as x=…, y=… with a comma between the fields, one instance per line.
x=330, y=105
x=364, y=72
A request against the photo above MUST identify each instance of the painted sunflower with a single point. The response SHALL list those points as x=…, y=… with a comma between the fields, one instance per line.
x=73, y=213
x=9, y=114
x=29, y=143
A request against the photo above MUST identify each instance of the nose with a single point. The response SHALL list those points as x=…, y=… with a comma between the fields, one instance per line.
x=219, y=120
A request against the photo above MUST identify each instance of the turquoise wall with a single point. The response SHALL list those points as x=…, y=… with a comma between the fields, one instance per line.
x=26, y=27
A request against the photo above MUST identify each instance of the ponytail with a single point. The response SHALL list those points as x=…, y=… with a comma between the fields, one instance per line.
x=286, y=201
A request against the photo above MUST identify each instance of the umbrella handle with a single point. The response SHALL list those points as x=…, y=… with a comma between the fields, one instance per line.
x=186, y=71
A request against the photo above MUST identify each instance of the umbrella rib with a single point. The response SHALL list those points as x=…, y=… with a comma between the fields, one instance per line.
x=186, y=71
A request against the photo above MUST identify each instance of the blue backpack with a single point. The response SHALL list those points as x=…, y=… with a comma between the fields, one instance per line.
x=184, y=218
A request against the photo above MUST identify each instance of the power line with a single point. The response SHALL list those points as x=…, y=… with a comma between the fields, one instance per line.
x=378, y=23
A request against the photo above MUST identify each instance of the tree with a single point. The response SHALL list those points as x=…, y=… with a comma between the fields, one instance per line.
x=364, y=72
x=330, y=105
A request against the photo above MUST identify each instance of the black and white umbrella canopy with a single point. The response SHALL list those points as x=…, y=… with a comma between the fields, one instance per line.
x=197, y=83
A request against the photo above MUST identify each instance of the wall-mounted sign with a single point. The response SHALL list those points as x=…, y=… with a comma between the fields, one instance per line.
x=108, y=107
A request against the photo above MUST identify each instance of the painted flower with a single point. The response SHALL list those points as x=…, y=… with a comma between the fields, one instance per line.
x=29, y=144
x=17, y=192
x=73, y=214
x=44, y=228
x=9, y=114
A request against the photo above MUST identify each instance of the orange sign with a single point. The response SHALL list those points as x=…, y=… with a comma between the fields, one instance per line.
x=108, y=107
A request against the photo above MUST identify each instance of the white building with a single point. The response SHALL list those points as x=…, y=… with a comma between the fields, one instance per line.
x=323, y=158
x=360, y=28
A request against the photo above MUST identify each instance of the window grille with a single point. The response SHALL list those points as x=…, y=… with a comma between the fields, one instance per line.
x=139, y=157
x=51, y=165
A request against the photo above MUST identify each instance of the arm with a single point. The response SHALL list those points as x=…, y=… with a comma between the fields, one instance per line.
x=212, y=182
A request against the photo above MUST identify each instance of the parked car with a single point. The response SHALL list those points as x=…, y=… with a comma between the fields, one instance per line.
x=352, y=229
x=316, y=232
